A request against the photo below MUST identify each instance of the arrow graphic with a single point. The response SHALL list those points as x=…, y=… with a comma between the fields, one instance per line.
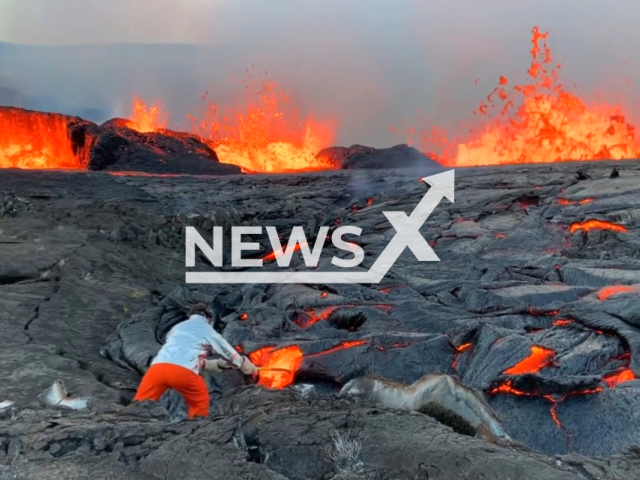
x=407, y=235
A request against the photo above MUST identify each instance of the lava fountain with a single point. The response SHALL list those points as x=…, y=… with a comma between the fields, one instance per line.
x=145, y=119
x=35, y=140
x=538, y=122
x=266, y=133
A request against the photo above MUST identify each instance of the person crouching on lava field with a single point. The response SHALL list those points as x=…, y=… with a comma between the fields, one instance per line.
x=182, y=359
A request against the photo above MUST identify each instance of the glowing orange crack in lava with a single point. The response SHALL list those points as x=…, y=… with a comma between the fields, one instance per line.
x=508, y=388
x=549, y=125
x=584, y=201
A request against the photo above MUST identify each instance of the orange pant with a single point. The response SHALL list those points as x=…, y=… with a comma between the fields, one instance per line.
x=162, y=376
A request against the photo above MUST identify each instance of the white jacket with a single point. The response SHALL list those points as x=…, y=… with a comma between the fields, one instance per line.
x=190, y=342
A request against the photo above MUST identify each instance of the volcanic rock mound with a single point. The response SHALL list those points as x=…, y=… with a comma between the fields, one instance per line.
x=358, y=156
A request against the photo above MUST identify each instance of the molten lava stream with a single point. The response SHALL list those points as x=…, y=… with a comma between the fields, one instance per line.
x=597, y=225
x=539, y=358
x=614, y=379
x=606, y=292
x=35, y=140
x=285, y=362
x=538, y=122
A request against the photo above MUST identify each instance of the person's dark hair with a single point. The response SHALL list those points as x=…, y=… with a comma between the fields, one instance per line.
x=213, y=313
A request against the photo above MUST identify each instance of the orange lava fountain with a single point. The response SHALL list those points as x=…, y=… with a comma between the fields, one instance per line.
x=35, y=140
x=267, y=134
x=147, y=119
x=539, y=122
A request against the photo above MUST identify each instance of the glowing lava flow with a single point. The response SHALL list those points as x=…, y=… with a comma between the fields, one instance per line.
x=597, y=225
x=606, y=292
x=539, y=358
x=584, y=201
x=35, y=140
x=539, y=122
x=287, y=358
x=147, y=119
x=286, y=362
x=614, y=379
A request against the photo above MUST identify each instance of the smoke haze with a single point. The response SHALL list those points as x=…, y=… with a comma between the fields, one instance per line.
x=367, y=63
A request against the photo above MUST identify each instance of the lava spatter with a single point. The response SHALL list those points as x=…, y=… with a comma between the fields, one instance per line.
x=537, y=122
x=145, y=119
x=265, y=134
x=35, y=140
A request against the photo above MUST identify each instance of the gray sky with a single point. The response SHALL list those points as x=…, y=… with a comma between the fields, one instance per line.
x=370, y=63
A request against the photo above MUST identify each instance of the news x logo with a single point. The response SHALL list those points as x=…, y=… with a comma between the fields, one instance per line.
x=407, y=235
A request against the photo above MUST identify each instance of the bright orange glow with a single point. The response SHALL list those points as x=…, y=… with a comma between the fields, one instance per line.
x=147, y=119
x=614, y=379
x=463, y=347
x=597, y=225
x=584, y=201
x=266, y=134
x=538, y=122
x=562, y=322
x=539, y=358
x=606, y=292
x=287, y=358
x=35, y=140
x=316, y=316
x=459, y=350
x=270, y=257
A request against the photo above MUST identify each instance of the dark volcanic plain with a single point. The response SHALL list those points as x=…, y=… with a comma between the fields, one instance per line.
x=91, y=278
